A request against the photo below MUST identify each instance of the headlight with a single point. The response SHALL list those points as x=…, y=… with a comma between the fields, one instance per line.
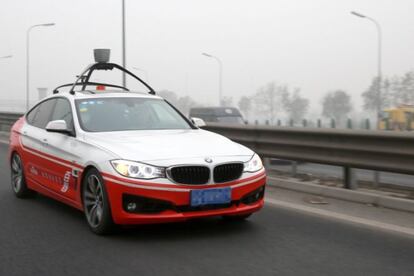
x=253, y=165
x=137, y=170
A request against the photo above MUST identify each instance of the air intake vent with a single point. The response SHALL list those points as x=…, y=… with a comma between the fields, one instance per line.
x=228, y=172
x=196, y=175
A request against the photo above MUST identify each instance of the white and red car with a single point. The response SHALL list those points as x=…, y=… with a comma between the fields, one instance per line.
x=130, y=158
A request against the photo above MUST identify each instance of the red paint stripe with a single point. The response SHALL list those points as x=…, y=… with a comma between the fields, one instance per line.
x=155, y=184
x=69, y=163
x=133, y=181
x=18, y=125
x=17, y=129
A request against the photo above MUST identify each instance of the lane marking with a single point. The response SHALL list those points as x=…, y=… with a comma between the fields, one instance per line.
x=342, y=217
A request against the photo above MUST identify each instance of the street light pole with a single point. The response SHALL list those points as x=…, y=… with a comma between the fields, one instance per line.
x=28, y=59
x=376, y=179
x=123, y=44
x=220, y=75
x=379, y=68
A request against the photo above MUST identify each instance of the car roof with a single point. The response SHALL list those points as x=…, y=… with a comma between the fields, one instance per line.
x=87, y=94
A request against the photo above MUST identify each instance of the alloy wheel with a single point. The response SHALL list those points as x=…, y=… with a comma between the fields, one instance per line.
x=93, y=200
x=16, y=173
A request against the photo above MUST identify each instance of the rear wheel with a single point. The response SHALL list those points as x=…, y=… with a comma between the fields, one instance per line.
x=96, y=204
x=18, y=180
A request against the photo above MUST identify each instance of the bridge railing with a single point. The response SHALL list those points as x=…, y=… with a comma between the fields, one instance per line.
x=7, y=119
x=363, y=149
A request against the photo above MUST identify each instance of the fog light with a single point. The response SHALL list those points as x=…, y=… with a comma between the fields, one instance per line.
x=254, y=196
x=131, y=206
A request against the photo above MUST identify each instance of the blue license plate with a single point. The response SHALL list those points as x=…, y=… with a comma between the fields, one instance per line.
x=210, y=196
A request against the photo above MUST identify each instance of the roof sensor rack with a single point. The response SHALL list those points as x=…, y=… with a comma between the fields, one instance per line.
x=101, y=55
x=101, y=63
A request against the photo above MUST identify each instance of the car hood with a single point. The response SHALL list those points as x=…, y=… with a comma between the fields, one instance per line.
x=158, y=145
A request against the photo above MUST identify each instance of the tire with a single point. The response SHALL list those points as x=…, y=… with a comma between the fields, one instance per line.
x=18, y=179
x=237, y=217
x=96, y=204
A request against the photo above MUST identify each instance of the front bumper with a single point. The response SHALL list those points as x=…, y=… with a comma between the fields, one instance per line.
x=178, y=197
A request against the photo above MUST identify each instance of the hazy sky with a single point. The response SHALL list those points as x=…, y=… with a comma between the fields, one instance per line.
x=315, y=45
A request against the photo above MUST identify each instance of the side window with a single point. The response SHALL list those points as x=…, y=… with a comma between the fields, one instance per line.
x=63, y=111
x=32, y=115
x=41, y=114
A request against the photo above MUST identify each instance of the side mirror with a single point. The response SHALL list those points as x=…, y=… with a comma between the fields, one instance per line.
x=198, y=122
x=59, y=126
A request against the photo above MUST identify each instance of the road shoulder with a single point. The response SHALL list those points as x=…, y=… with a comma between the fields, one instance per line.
x=4, y=137
x=365, y=215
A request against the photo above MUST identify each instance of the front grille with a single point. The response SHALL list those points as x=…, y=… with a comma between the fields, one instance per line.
x=190, y=174
x=228, y=172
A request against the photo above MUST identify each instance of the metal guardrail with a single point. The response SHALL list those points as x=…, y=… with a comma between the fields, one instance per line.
x=363, y=149
x=7, y=119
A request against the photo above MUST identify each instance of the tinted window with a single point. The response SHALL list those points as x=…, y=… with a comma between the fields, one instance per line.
x=41, y=114
x=230, y=120
x=63, y=111
x=32, y=115
x=115, y=114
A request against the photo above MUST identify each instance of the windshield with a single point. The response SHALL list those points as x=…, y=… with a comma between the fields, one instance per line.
x=119, y=114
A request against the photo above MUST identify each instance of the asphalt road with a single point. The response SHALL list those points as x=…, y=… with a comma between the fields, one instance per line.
x=42, y=237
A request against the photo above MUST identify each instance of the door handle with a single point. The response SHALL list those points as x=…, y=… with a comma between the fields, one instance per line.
x=44, y=141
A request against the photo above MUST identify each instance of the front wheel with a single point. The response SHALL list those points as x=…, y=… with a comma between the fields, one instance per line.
x=96, y=204
x=18, y=179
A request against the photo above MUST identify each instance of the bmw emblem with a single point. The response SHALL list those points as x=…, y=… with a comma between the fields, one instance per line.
x=208, y=159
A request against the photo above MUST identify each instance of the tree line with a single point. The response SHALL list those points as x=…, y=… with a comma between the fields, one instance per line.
x=395, y=91
x=269, y=101
x=272, y=99
x=336, y=104
x=182, y=103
